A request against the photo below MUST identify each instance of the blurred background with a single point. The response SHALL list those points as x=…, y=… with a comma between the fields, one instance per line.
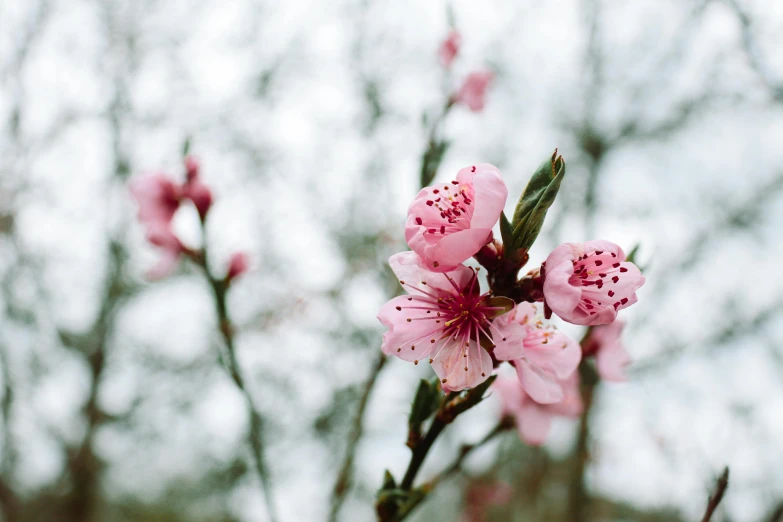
x=310, y=119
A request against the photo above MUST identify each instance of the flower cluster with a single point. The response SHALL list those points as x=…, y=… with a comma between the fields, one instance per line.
x=159, y=197
x=446, y=320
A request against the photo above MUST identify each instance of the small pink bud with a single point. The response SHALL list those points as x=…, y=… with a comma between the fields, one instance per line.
x=240, y=263
x=473, y=92
x=449, y=48
x=200, y=195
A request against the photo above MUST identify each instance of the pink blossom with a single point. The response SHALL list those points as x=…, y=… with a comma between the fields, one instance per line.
x=533, y=419
x=239, y=264
x=610, y=355
x=588, y=283
x=473, y=92
x=161, y=235
x=449, y=48
x=481, y=496
x=443, y=319
x=542, y=356
x=449, y=223
x=158, y=198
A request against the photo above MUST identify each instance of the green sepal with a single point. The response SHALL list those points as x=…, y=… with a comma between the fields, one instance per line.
x=504, y=303
x=388, y=481
x=534, y=203
x=426, y=402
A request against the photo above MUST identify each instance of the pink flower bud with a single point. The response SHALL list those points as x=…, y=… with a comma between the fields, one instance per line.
x=192, y=167
x=240, y=263
x=449, y=48
x=473, y=92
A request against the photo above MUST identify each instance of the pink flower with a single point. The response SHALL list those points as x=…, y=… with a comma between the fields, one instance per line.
x=542, y=356
x=480, y=496
x=449, y=48
x=158, y=198
x=239, y=265
x=161, y=235
x=588, y=283
x=192, y=167
x=473, y=92
x=610, y=355
x=443, y=319
x=534, y=420
x=449, y=223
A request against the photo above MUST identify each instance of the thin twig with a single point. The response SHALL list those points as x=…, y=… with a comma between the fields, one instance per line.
x=343, y=483
x=231, y=365
x=717, y=495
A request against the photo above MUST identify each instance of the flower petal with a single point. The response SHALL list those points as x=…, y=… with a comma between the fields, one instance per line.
x=490, y=193
x=534, y=423
x=457, y=372
x=540, y=385
x=409, y=267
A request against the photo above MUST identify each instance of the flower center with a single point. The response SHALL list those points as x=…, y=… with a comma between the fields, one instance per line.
x=593, y=271
x=450, y=209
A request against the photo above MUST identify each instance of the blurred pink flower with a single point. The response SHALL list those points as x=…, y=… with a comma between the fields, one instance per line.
x=482, y=495
x=442, y=319
x=239, y=264
x=449, y=223
x=196, y=191
x=473, y=92
x=533, y=419
x=449, y=48
x=161, y=235
x=158, y=198
x=542, y=356
x=610, y=355
x=587, y=283
x=192, y=167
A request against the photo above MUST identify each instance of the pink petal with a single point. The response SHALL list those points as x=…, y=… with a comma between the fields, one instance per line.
x=408, y=340
x=561, y=355
x=560, y=295
x=541, y=386
x=571, y=405
x=490, y=193
x=165, y=265
x=512, y=347
x=453, y=249
x=449, y=364
x=409, y=267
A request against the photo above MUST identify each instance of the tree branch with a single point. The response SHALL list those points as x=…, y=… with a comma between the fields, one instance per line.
x=717, y=495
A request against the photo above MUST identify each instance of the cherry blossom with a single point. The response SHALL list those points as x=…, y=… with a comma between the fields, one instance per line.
x=533, y=420
x=542, y=355
x=158, y=198
x=588, y=283
x=444, y=319
x=450, y=222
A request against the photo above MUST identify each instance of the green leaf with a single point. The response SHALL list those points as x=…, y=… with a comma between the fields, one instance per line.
x=535, y=202
x=632, y=254
x=430, y=161
x=506, y=230
x=186, y=146
x=426, y=402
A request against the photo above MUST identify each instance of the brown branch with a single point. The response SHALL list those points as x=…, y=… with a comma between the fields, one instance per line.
x=717, y=495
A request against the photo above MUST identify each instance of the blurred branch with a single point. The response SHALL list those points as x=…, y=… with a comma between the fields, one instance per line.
x=717, y=495
x=344, y=477
x=777, y=514
x=751, y=48
x=231, y=365
x=578, y=499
